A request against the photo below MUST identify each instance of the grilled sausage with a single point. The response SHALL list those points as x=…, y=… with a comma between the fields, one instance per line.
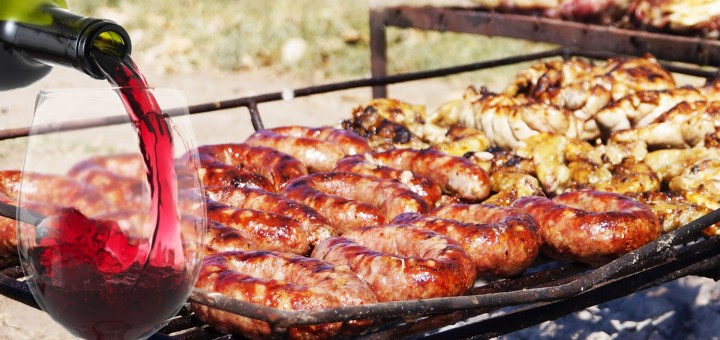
x=502, y=241
x=125, y=193
x=350, y=142
x=421, y=185
x=318, y=149
x=221, y=174
x=402, y=262
x=269, y=231
x=221, y=238
x=350, y=200
x=127, y=165
x=277, y=167
x=591, y=226
x=283, y=281
x=455, y=175
x=315, y=225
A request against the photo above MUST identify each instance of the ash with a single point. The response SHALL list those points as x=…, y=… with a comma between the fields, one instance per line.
x=687, y=308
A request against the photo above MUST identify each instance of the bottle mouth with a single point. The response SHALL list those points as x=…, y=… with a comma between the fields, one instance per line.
x=103, y=36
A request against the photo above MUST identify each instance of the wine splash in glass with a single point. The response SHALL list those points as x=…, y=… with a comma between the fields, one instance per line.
x=120, y=267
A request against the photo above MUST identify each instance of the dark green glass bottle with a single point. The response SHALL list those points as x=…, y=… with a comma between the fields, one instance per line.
x=38, y=34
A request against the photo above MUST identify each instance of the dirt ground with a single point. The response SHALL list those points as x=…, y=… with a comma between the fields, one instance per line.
x=628, y=317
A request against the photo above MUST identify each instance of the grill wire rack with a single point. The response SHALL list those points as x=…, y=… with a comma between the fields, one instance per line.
x=547, y=291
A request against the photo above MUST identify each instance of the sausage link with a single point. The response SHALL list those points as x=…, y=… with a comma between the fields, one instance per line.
x=502, y=241
x=269, y=231
x=455, y=175
x=591, y=226
x=277, y=167
x=421, y=185
x=221, y=174
x=318, y=149
x=126, y=165
x=402, y=262
x=350, y=142
x=283, y=281
x=221, y=238
x=315, y=225
x=322, y=191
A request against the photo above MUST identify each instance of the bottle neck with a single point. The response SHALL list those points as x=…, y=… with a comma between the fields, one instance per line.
x=68, y=40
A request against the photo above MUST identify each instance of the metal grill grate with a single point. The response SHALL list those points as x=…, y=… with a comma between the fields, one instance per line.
x=551, y=289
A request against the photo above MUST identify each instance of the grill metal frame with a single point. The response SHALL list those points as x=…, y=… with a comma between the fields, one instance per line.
x=551, y=290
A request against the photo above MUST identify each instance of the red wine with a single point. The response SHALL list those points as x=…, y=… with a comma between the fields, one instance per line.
x=92, y=284
x=92, y=277
x=156, y=146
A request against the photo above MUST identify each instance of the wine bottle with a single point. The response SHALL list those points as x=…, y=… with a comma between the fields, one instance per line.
x=38, y=34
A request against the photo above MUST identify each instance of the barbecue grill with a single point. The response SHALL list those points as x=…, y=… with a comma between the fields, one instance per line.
x=548, y=290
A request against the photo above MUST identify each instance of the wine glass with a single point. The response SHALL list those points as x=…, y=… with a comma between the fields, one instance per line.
x=119, y=241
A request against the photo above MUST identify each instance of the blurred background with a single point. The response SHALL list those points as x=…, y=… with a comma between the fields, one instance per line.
x=308, y=39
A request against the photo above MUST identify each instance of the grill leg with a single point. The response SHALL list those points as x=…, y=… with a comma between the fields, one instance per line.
x=378, y=51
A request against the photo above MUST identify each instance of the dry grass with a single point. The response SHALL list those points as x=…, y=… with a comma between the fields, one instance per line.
x=230, y=35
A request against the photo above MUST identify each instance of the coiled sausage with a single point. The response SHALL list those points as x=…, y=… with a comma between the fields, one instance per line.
x=283, y=281
x=589, y=226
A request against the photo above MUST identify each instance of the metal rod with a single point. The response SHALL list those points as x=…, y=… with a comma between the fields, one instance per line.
x=300, y=92
x=695, y=261
x=20, y=214
x=378, y=51
x=449, y=304
x=255, y=118
x=583, y=36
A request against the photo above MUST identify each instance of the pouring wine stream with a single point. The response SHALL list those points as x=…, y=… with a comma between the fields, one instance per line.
x=156, y=146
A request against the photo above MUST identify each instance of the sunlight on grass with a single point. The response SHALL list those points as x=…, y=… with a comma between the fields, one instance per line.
x=330, y=37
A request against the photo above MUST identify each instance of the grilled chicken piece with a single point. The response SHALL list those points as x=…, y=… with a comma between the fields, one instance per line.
x=672, y=209
x=671, y=163
x=509, y=186
x=630, y=176
x=585, y=89
x=511, y=175
x=700, y=183
x=384, y=122
x=561, y=82
x=548, y=154
x=506, y=120
x=684, y=126
x=644, y=107
x=463, y=140
x=689, y=16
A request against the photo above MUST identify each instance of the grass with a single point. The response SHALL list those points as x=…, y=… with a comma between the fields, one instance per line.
x=232, y=35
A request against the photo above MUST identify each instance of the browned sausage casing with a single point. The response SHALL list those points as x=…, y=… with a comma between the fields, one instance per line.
x=126, y=165
x=351, y=200
x=502, y=241
x=283, y=281
x=277, y=167
x=591, y=226
x=455, y=175
x=318, y=149
x=421, y=185
x=44, y=194
x=221, y=174
x=315, y=225
x=221, y=238
x=269, y=231
x=350, y=142
x=402, y=262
